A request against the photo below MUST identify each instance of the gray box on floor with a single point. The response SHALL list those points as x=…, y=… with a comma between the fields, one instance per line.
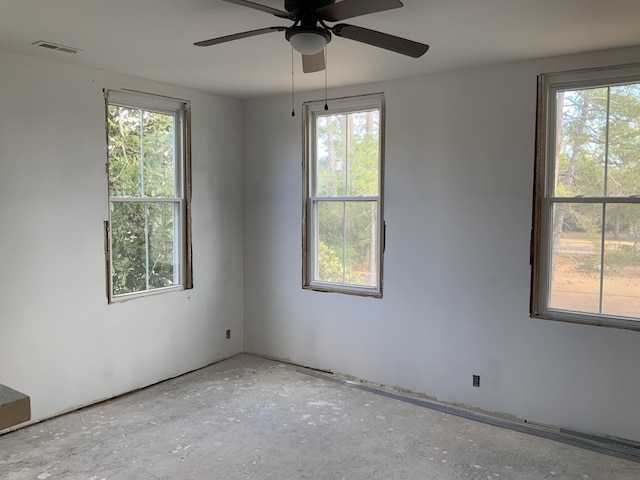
x=15, y=407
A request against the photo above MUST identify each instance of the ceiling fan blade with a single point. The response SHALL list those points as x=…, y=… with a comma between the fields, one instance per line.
x=237, y=36
x=354, y=8
x=313, y=63
x=262, y=8
x=382, y=40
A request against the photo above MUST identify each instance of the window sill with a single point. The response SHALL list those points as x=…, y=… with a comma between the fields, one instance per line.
x=586, y=319
x=147, y=293
x=344, y=289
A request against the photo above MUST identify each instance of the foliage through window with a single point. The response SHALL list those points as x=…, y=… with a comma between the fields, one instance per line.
x=148, y=169
x=587, y=205
x=343, y=196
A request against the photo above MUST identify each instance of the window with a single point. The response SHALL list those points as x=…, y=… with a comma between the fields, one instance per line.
x=586, y=231
x=342, y=241
x=147, y=235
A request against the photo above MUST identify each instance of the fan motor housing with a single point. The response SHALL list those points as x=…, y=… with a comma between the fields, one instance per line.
x=297, y=6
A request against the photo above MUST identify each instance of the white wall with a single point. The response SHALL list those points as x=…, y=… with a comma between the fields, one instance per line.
x=459, y=176
x=459, y=163
x=60, y=342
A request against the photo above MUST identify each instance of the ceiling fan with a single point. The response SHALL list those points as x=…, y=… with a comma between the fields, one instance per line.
x=310, y=33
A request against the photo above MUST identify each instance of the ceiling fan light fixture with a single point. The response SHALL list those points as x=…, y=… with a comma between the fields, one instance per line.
x=309, y=34
x=308, y=40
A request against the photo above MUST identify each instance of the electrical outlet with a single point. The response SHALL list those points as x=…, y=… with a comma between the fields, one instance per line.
x=476, y=380
x=228, y=334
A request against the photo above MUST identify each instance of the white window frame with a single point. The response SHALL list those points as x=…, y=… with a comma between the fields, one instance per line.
x=542, y=232
x=181, y=111
x=312, y=110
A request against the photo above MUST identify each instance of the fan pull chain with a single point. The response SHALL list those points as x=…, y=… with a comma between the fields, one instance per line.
x=293, y=108
x=326, y=67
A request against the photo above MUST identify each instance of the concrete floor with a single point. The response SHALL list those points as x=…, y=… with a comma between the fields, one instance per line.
x=251, y=418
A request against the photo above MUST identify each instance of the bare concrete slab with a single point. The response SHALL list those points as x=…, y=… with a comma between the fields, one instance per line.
x=15, y=407
x=251, y=418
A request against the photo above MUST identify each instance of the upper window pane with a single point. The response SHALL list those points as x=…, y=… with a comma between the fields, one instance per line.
x=347, y=154
x=580, y=149
x=331, y=156
x=364, y=153
x=597, y=143
x=624, y=141
x=141, y=153
x=158, y=152
x=125, y=131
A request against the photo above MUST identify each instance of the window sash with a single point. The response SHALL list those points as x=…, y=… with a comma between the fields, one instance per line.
x=315, y=233
x=545, y=201
x=178, y=234
x=146, y=199
x=344, y=199
x=311, y=276
x=181, y=274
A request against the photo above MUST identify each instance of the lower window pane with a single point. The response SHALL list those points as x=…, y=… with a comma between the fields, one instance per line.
x=576, y=257
x=361, y=249
x=161, y=245
x=128, y=248
x=346, y=243
x=143, y=246
x=330, y=242
x=621, y=279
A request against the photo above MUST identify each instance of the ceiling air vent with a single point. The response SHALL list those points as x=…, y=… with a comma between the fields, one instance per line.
x=55, y=46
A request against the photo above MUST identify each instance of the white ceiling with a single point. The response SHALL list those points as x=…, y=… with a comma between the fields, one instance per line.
x=153, y=39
